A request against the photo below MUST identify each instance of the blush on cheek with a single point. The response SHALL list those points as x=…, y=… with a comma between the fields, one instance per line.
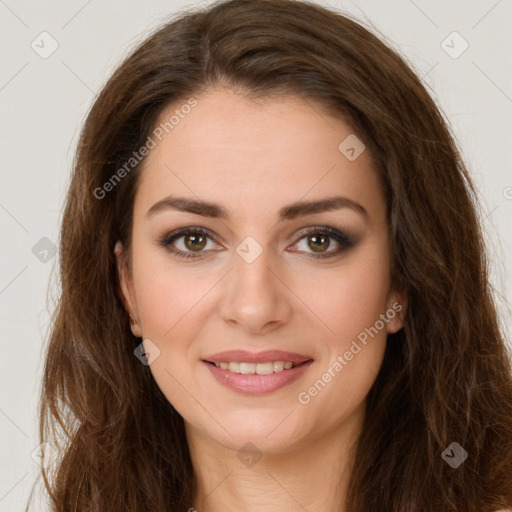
x=163, y=301
x=345, y=309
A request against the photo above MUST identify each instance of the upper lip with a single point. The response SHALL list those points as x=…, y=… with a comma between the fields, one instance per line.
x=243, y=356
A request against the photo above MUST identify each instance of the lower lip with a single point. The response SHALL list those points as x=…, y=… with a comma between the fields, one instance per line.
x=254, y=384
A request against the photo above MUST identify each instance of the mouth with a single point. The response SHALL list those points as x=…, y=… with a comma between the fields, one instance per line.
x=256, y=374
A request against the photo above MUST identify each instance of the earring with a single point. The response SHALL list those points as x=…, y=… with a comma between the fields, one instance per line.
x=133, y=321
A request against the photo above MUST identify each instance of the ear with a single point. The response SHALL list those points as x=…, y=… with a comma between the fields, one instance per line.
x=397, y=303
x=126, y=289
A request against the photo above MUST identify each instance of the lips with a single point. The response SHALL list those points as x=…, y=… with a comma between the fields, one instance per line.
x=243, y=356
x=255, y=384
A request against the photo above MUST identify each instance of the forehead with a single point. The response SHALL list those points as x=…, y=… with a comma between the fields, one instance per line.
x=233, y=150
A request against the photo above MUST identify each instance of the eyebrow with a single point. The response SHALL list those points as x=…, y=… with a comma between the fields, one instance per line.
x=292, y=211
x=289, y=212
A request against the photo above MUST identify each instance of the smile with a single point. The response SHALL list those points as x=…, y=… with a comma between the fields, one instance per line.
x=256, y=378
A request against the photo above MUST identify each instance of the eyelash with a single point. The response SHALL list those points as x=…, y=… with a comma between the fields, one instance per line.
x=343, y=240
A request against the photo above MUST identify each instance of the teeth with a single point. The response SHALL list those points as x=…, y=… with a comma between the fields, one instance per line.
x=255, y=368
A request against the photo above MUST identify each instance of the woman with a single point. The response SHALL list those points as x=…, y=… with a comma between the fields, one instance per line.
x=274, y=285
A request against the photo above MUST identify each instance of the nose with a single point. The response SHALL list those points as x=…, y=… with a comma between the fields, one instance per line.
x=256, y=297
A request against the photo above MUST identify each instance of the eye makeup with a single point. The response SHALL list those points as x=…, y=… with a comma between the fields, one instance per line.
x=315, y=233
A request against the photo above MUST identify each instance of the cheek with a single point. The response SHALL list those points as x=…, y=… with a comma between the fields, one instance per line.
x=171, y=306
x=348, y=298
x=351, y=306
x=338, y=391
x=167, y=294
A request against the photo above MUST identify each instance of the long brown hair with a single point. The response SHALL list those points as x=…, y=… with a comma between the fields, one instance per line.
x=446, y=376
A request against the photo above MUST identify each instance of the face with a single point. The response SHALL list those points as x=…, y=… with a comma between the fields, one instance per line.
x=290, y=254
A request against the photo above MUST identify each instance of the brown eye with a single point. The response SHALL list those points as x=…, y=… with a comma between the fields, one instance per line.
x=319, y=243
x=189, y=242
x=195, y=242
x=323, y=242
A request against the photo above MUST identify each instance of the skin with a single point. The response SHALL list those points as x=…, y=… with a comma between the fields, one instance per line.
x=254, y=158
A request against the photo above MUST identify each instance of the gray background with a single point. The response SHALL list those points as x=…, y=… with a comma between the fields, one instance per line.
x=43, y=102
